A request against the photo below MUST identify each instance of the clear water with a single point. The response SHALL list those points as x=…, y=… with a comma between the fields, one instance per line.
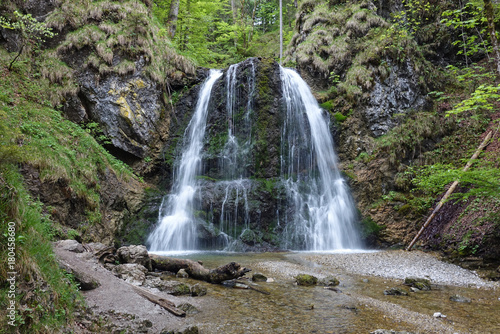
x=176, y=229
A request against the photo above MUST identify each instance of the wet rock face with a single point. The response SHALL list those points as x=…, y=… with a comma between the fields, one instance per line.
x=239, y=185
x=127, y=108
x=397, y=94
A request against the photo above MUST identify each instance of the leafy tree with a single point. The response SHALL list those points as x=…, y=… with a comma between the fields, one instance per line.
x=489, y=12
x=32, y=32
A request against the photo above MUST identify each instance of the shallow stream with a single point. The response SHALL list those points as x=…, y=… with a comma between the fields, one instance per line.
x=359, y=307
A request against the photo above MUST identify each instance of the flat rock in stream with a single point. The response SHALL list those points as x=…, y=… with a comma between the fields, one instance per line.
x=419, y=283
x=395, y=292
x=329, y=281
x=460, y=299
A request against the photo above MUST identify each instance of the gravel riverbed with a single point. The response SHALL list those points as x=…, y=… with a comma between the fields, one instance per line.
x=397, y=264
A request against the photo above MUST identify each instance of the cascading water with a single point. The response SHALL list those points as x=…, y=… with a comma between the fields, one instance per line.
x=236, y=153
x=227, y=192
x=176, y=229
x=322, y=214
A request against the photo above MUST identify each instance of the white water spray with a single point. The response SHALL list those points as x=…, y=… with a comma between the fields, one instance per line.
x=176, y=230
x=322, y=215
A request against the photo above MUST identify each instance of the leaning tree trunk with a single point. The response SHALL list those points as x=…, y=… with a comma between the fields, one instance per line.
x=197, y=271
x=489, y=12
x=172, y=17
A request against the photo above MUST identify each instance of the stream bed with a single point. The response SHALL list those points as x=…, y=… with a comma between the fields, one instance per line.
x=359, y=305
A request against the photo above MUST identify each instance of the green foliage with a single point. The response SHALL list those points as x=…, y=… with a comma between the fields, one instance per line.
x=472, y=24
x=52, y=297
x=31, y=31
x=213, y=35
x=482, y=99
x=482, y=181
x=406, y=140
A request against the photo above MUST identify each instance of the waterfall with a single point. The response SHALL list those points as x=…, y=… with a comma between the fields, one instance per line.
x=221, y=199
x=234, y=218
x=322, y=214
x=176, y=229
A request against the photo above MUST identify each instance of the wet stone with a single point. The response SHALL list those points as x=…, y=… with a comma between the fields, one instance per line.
x=306, y=280
x=419, y=283
x=198, y=290
x=257, y=277
x=459, y=299
x=182, y=274
x=329, y=281
x=188, y=308
x=395, y=292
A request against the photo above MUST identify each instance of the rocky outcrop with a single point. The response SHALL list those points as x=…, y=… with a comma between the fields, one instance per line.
x=119, y=200
x=397, y=94
x=127, y=107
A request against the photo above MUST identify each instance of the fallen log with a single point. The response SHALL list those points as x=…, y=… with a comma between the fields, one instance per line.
x=197, y=271
x=166, y=304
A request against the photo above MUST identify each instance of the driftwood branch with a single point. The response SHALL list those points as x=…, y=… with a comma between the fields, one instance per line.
x=197, y=271
x=449, y=192
x=166, y=304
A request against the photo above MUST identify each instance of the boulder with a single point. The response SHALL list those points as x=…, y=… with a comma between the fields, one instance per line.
x=306, y=280
x=85, y=281
x=132, y=273
x=71, y=245
x=182, y=274
x=135, y=254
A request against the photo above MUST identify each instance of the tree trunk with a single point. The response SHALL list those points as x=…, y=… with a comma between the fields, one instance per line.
x=489, y=12
x=235, y=21
x=172, y=17
x=250, y=34
x=197, y=271
x=166, y=304
x=281, y=31
x=450, y=191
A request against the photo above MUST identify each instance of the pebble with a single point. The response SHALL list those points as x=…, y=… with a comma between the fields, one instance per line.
x=439, y=315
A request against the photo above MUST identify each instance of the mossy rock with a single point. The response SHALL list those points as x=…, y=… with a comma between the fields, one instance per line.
x=419, y=283
x=306, y=280
x=395, y=292
x=181, y=289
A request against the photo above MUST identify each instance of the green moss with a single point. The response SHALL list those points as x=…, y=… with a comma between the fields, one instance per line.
x=306, y=280
x=370, y=228
x=328, y=105
x=339, y=117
